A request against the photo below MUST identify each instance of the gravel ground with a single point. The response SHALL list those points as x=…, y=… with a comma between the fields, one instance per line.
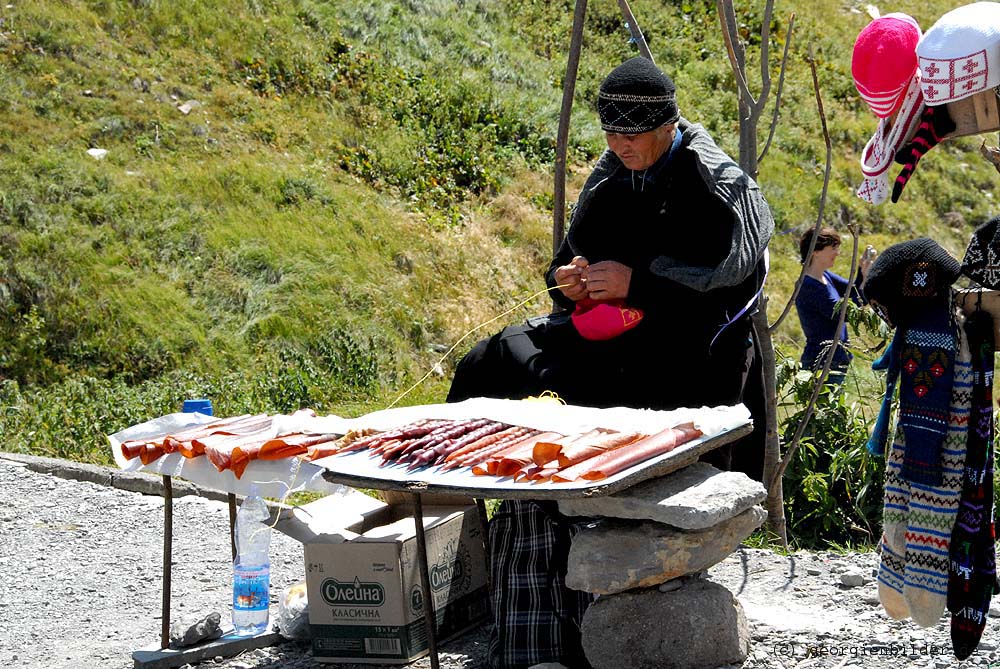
x=80, y=587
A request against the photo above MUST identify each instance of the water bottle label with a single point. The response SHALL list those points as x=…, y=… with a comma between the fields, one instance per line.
x=250, y=588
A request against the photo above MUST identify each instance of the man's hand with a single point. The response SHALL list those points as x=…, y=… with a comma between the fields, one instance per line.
x=571, y=278
x=608, y=280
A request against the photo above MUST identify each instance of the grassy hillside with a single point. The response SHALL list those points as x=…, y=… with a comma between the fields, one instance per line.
x=305, y=203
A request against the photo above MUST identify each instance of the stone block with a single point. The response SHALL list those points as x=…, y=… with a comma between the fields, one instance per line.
x=700, y=625
x=694, y=498
x=614, y=556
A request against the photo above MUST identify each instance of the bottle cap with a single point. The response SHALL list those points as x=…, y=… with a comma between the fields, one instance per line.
x=198, y=405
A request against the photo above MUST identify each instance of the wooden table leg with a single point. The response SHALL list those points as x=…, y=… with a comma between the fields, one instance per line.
x=429, y=621
x=168, y=542
x=232, y=523
x=484, y=523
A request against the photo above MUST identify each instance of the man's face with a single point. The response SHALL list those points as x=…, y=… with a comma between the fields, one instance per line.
x=637, y=152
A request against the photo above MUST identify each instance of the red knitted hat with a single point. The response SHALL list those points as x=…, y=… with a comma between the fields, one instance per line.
x=884, y=61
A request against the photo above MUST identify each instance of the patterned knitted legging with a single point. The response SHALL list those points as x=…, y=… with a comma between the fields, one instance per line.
x=918, y=519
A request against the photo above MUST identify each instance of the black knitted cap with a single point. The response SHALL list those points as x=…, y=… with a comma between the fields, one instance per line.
x=982, y=258
x=636, y=97
x=908, y=276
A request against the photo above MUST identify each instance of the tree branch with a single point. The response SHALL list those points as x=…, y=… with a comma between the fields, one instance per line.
x=562, y=136
x=727, y=18
x=822, y=203
x=781, y=86
x=633, y=27
x=825, y=373
x=765, y=50
x=797, y=437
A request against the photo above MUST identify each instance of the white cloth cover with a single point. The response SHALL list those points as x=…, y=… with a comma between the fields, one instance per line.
x=960, y=55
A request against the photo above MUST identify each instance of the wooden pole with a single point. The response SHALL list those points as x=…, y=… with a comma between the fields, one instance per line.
x=425, y=580
x=562, y=138
x=636, y=32
x=168, y=542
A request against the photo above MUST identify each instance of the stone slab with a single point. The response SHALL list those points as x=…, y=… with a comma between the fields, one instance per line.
x=694, y=498
x=614, y=556
x=145, y=484
x=153, y=657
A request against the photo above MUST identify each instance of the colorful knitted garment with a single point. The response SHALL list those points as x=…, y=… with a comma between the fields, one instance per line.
x=935, y=124
x=888, y=362
x=972, y=577
x=917, y=518
x=926, y=362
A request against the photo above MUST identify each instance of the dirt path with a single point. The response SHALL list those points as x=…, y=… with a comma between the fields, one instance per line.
x=80, y=588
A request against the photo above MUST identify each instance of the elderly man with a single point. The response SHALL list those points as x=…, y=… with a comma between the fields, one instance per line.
x=655, y=284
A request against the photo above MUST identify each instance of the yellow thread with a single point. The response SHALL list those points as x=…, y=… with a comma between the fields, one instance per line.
x=546, y=396
x=463, y=338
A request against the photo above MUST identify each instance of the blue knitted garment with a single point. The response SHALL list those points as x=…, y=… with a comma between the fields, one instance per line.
x=926, y=371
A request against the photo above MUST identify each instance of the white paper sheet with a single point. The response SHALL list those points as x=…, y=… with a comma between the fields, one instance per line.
x=276, y=478
x=712, y=421
x=562, y=418
x=271, y=478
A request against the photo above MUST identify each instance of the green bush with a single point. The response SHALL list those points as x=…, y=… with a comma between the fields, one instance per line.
x=833, y=486
x=70, y=418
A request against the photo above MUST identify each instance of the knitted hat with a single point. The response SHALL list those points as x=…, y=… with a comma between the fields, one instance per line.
x=884, y=61
x=907, y=276
x=599, y=321
x=982, y=257
x=636, y=97
x=960, y=55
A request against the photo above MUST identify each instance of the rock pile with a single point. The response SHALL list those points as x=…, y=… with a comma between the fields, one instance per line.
x=644, y=556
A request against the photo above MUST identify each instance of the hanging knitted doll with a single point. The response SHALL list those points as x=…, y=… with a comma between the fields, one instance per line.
x=910, y=285
x=972, y=578
x=972, y=581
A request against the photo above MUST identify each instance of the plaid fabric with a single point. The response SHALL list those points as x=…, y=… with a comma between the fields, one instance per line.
x=536, y=617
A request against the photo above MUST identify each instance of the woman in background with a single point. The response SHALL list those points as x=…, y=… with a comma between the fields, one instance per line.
x=817, y=300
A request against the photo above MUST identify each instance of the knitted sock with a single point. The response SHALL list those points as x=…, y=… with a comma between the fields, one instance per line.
x=932, y=509
x=896, y=507
x=892, y=567
x=935, y=124
x=972, y=575
x=926, y=363
x=890, y=584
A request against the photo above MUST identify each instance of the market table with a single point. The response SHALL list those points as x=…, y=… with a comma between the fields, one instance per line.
x=275, y=479
x=719, y=425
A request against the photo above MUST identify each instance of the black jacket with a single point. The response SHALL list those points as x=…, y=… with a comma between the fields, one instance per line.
x=694, y=229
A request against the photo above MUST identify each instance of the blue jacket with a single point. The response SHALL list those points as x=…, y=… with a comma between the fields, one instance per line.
x=816, y=304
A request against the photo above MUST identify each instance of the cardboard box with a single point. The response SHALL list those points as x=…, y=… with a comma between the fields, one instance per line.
x=975, y=115
x=363, y=582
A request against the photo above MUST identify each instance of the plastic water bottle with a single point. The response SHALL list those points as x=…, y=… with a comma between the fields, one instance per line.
x=252, y=569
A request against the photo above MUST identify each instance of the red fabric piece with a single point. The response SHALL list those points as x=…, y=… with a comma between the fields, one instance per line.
x=599, y=321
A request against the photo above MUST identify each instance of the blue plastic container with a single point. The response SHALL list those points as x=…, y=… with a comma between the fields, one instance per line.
x=200, y=405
